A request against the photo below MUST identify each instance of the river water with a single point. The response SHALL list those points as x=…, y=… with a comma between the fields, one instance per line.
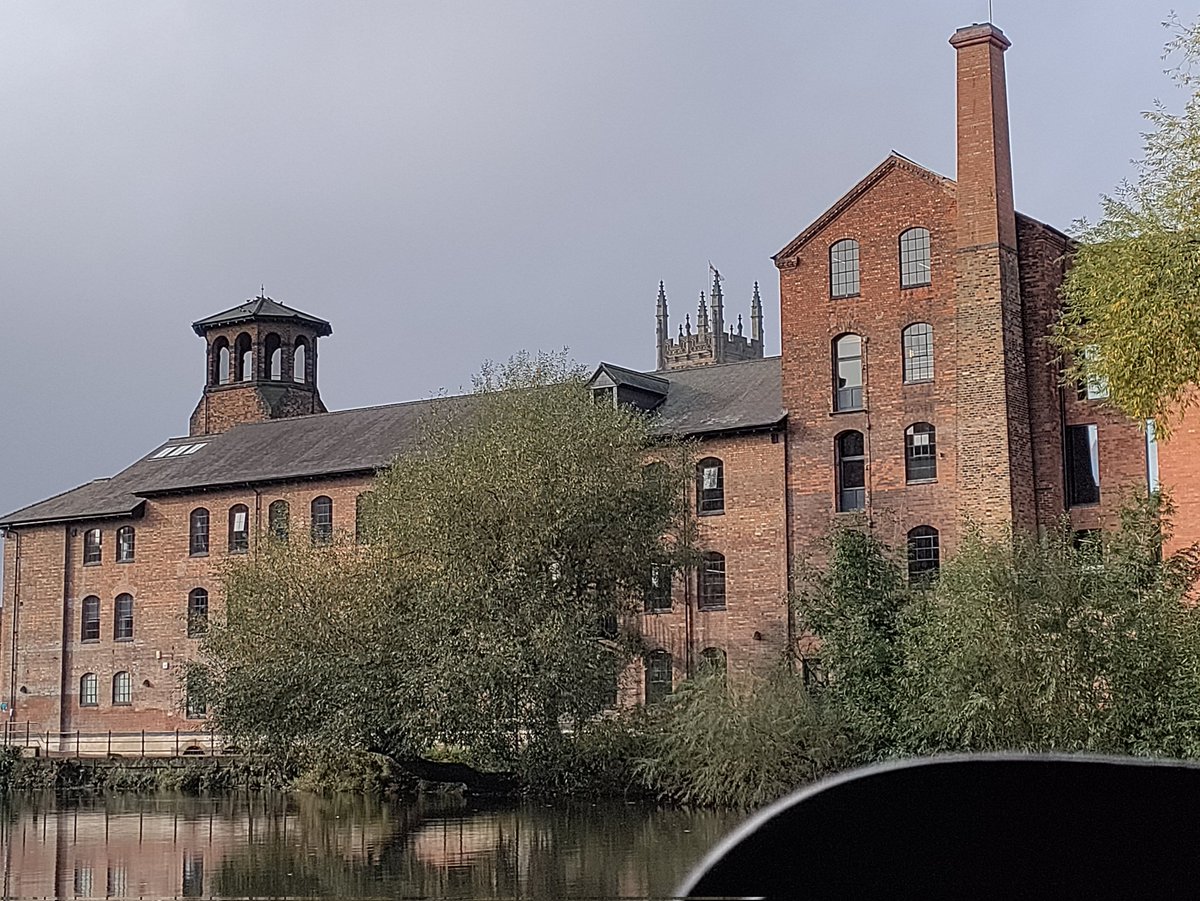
x=257, y=845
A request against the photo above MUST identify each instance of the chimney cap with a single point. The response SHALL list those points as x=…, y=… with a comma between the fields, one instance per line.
x=979, y=34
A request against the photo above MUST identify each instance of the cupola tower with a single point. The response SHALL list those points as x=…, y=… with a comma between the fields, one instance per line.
x=261, y=363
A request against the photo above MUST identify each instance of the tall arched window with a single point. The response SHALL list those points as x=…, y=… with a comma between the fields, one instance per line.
x=322, y=520
x=659, y=676
x=843, y=268
x=243, y=358
x=920, y=452
x=125, y=544
x=123, y=618
x=924, y=554
x=300, y=361
x=847, y=373
x=362, y=511
x=713, y=662
x=222, y=373
x=89, y=620
x=918, y=352
x=915, y=269
x=710, y=486
x=658, y=588
x=273, y=357
x=197, y=612
x=198, y=532
x=89, y=690
x=91, y=547
x=122, y=689
x=279, y=516
x=851, y=472
x=712, y=581
x=239, y=529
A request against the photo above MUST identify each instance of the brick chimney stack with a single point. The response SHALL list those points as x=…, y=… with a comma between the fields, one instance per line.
x=994, y=459
x=985, y=186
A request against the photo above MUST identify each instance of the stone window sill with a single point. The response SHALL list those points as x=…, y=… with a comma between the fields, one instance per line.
x=709, y=608
x=711, y=513
x=91, y=562
x=932, y=481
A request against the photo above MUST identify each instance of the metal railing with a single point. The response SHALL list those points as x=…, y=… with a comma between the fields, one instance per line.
x=180, y=743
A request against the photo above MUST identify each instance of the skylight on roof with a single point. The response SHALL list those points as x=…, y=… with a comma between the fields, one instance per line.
x=179, y=450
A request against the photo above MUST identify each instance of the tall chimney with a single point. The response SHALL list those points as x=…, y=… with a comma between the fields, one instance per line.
x=985, y=187
x=995, y=484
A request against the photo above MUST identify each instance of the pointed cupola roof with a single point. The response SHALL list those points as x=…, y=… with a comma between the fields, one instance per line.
x=262, y=309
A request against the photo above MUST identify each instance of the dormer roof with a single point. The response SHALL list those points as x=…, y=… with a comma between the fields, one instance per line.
x=262, y=309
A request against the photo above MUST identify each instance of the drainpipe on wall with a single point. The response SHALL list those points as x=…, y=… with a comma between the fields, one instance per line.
x=66, y=630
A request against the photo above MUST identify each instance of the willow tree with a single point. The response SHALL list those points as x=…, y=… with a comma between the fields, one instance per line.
x=1132, y=297
x=480, y=609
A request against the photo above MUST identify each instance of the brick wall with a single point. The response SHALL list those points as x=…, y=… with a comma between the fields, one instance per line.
x=900, y=197
x=159, y=579
x=752, y=535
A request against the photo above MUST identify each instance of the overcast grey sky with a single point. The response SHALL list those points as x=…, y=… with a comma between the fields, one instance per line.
x=452, y=182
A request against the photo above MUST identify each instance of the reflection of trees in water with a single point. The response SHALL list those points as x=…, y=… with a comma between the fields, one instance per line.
x=354, y=847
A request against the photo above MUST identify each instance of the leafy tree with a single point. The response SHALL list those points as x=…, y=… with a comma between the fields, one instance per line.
x=481, y=611
x=1132, y=297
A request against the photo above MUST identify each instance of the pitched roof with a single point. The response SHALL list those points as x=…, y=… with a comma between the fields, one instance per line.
x=262, y=308
x=702, y=401
x=876, y=175
x=643, y=381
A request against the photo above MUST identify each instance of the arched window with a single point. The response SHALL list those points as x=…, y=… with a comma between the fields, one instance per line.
x=712, y=581
x=659, y=676
x=197, y=612
x=195, y=701
x=122, y=689
x=918, y=352
x=273, y=357
x=89, y=690
x=198, y=532
x=91, y=547
x=279, y=516
x=322, y=520
x=914, y=258
x=243, y=358
x=300, y=361
x=920, y=452
x=125, y=544
x=924, y=555
x=658, y=588
x=362, y=511
x=847, y=373
x=89, y=628
x=710, y=486
x=713, y=662
x=851, y=472
x=123, y=618
x=222, y=373
x=239, y=529
x=843, y=268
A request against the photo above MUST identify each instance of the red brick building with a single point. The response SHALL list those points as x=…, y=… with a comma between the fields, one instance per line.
x=915, y=390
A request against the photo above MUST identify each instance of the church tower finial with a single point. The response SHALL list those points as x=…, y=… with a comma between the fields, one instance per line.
x=662, y=329
x=756, y=317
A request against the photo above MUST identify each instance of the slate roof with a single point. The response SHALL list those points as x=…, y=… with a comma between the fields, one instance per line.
x=706, y=400
x=651, y=383
x=262, y=308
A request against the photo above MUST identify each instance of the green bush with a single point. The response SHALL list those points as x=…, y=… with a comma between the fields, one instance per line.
x=598, y=760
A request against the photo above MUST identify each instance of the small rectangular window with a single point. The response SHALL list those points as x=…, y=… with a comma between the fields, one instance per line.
x=1083, y=465
x=658, y=591
x=91, y=547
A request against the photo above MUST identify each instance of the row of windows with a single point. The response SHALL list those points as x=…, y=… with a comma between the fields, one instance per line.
x=920, y=463
x=236, y=363
x=916, y=343
x=89, y=618
x=93, y=550
x=89, y=690
x=915, y=263
x=710, y=585
x=122, y=694
x=660, y=670
x=320, y=524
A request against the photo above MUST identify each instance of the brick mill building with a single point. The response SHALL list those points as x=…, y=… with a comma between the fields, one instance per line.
x=915, y=391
